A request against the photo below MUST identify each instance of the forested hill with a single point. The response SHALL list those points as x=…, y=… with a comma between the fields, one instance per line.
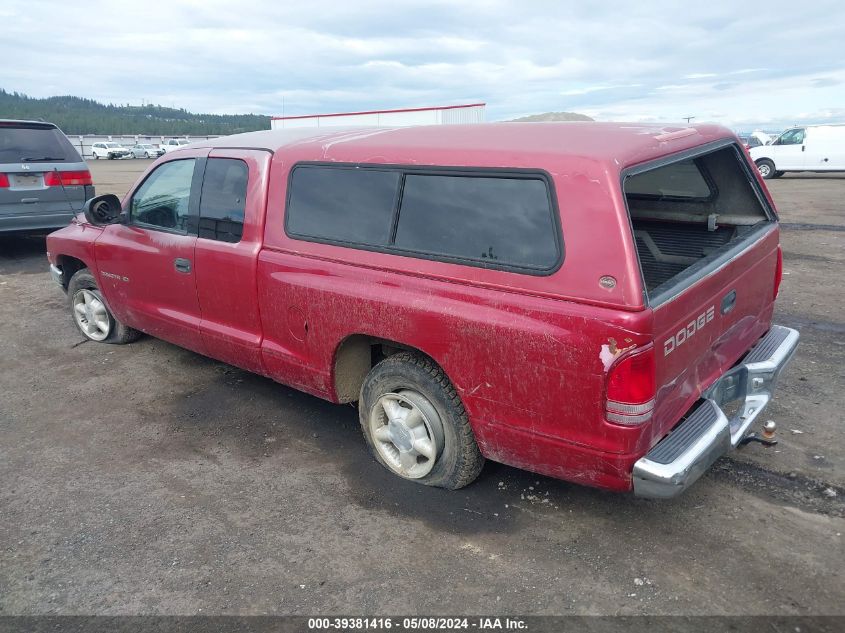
x=75, y=115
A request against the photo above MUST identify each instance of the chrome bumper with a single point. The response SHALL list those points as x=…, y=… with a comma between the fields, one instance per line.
x=57, y=275
x=707, y=433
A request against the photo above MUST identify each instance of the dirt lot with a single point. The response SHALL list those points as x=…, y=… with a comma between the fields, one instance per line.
x=147, y=479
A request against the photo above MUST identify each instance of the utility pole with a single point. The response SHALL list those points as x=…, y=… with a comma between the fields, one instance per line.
x=687, y=118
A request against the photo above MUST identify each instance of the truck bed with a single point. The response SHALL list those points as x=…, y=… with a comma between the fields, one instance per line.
x=665, y=249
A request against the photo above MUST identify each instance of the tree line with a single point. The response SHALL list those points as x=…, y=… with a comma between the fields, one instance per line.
x=75, y=115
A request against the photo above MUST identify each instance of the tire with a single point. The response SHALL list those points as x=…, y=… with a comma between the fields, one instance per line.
x=146, y=154
x=437, y=423
x=766, y=168
x=778, y=174
x=83, y=289
x=96, y=157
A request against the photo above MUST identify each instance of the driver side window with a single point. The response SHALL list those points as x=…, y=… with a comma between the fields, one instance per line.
x=792, y=137
x=162, y=201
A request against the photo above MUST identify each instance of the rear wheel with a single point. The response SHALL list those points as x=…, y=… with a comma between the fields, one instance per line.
x=415, y=423
x=91, y=314
x=766, y=168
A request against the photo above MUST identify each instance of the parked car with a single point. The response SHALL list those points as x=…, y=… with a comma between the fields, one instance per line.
x=592, y=302
x=750, y=141
x=145, y=150
x=43, y=180
x=817, y=148
x=174, y=144
x=109, y=150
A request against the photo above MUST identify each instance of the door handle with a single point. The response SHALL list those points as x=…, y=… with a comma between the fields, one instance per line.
x=182, y=265
x=802, y=148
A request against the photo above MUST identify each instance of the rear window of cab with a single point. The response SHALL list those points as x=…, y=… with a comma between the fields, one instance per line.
x=487, y=218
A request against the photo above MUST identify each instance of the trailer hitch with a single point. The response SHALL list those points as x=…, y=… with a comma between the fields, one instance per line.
x=767, y=438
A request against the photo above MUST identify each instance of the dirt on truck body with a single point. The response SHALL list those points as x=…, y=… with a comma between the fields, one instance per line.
x=455, y=287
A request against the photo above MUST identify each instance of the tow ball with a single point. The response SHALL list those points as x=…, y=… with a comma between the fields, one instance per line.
x=766, y=438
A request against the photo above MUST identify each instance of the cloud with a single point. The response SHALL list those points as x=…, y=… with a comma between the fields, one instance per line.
x=644, y=61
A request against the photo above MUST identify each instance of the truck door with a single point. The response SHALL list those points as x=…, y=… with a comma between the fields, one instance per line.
x=229, y=236
x=789, y=151
x=147, y=264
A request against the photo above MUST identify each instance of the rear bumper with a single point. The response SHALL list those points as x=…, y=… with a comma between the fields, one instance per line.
x=35, y=221
x=707, y=433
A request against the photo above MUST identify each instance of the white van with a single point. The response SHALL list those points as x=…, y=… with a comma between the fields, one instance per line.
x=810, y=148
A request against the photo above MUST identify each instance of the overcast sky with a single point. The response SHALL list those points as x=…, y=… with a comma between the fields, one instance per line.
x=772, y=63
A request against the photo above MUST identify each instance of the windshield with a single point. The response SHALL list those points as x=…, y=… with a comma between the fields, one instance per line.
x=112, y=145
x=23, y=144
x=182, y=142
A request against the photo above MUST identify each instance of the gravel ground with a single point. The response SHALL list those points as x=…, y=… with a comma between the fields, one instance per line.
x=148, y=479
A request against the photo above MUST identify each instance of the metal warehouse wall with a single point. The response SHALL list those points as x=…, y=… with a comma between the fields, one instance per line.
x=83, y=142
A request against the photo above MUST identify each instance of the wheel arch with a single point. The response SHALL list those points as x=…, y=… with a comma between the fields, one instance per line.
x=69, y=266
x=356, y=355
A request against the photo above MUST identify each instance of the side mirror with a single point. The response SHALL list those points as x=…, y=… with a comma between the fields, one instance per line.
x=103, y=210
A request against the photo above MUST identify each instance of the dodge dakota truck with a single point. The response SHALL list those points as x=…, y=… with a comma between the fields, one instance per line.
x=589, y=301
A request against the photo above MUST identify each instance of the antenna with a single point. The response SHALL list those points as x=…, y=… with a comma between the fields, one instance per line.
x=64, y=191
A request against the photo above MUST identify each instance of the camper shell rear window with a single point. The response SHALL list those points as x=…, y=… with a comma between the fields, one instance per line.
x=691, y=211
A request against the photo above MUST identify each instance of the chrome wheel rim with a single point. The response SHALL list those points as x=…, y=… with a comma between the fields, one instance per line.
x=763, y=169
x=91, y=315
x=407, y=433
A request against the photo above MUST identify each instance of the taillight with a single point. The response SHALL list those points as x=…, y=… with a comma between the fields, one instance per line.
x=631, y=389
x=778, y=272
x=4, y=181
x=67, y=178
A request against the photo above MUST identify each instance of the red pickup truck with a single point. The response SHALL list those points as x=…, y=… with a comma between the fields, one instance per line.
x=589, y=301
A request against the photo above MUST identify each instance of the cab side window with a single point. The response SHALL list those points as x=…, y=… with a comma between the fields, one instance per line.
x=162, y=201
x=792, y=137
x=223, y=200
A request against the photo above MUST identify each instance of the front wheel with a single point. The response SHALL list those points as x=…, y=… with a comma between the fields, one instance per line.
x=415, y=423
x=766, y=168
x=146, y=154
x=96, y=157
x=91, y=314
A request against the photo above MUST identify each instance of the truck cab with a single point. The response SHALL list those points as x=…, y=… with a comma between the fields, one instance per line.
x=592, y=302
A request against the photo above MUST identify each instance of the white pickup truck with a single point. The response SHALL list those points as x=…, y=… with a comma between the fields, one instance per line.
x=173, y=144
